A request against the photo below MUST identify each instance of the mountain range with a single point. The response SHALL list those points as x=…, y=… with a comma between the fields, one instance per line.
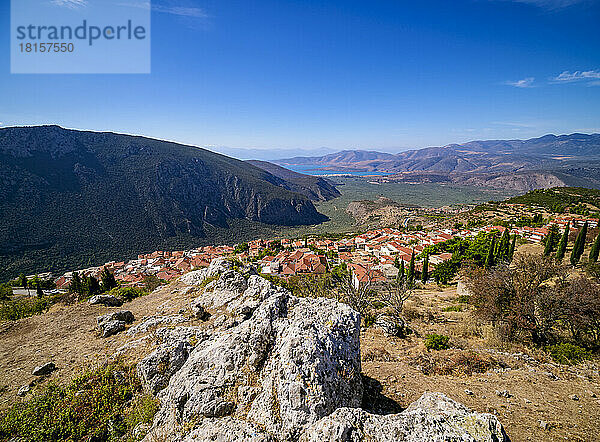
x=70, y=198
x=547, y=161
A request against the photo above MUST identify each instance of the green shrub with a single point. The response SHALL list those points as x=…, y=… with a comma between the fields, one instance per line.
x=209, y=279
x=452, y=308
x=127, y=293
x=568, y=354
x=152, y=282
x=142, y=411
x=5, y=291
x=464, y=299
x=437, y=342
x=23, y=308
x=95, y=406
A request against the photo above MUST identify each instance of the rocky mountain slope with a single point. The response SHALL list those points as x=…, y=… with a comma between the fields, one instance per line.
x=69, y=197
x=313, y=187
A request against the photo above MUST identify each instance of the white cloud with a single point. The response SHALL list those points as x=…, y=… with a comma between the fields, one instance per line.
x=524, y=83
x=181, y=10
x=514, y=124
x=73, y=4
x=590, y=78
x=171, y=8
x=552, y=4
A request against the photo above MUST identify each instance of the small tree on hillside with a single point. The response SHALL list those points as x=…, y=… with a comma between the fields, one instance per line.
x=595, y=250
x=579, y=245
x=521, y=298
x=22, y=281
x=358, y=296
x=92, y=286
x=76, y=285
x=562, y=245
x=425, y=272
x=411, y=270
x=551, y=240
x=401, y=277
x=511, y=250
x=38, y=290
x=393, y=296
x=490, y=260
x=445, y=271
x=108, y=280
x=504, y=247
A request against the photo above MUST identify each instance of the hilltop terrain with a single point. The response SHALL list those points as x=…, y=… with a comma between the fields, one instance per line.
x=560, y=197
x=226, y=352
x=69, y=197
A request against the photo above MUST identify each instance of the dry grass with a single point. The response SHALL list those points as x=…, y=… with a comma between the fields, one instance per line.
x=455, y=362
x=481, y=363
x=67, y=335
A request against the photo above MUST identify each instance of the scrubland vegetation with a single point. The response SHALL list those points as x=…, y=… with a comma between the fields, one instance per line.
x=103, y=404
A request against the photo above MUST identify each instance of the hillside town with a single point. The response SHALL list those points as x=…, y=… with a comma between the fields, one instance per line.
x=378, y=250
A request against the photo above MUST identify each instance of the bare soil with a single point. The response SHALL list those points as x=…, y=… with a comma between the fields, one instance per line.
x=67, y=335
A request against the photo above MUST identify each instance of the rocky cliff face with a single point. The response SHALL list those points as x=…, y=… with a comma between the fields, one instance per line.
x=264, y=365
x=313, y=187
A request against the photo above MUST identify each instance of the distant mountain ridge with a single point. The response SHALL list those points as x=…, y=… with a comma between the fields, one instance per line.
x=545, y=161
x=71, y=196
x=475, y=156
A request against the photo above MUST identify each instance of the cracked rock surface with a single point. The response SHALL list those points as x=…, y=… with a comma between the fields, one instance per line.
x=280, y=368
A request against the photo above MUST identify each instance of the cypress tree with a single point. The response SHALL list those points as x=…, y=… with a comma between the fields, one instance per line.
x=38, y=290
x=562, y=245
x=551, y=240
x=595, y=251
x=490, y=261
x=411, y=269
x=511, y=250
x=397, y=262
x=76, y=285
x=401, y=275
x=425, y=272
x=22, y=280
x=92, y=286
x=504, y=246
x=108, y=280
x=579, y=246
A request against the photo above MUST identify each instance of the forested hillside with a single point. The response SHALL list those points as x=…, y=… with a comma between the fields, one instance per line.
x=71, y=198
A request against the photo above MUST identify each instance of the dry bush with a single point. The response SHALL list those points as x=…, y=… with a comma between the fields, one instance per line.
x=455, y=363
x=377, y=354
x=468, y=326
x=580, y=310
x=537, y=299
x=521, y=299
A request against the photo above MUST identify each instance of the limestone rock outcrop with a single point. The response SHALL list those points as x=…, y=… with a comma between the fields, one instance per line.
x=434, y=417
x=269, y=366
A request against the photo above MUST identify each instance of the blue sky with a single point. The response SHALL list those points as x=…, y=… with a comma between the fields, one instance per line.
x=297, y=76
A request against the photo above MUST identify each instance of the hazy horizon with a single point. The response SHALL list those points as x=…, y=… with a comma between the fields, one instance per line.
x=386, y=75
